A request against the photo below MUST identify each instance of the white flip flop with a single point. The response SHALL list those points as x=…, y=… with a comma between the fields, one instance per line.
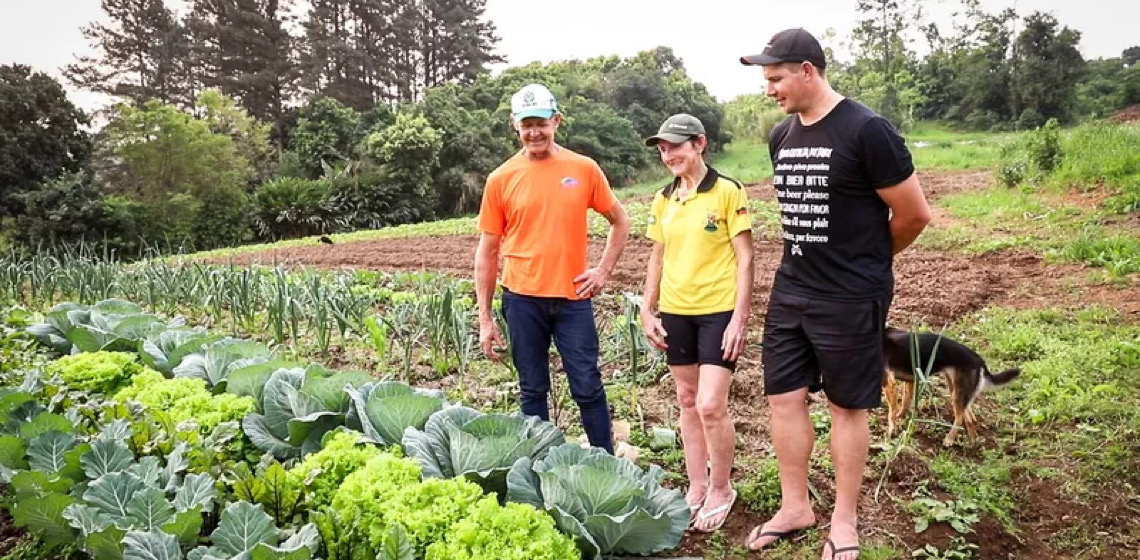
x=717, y=511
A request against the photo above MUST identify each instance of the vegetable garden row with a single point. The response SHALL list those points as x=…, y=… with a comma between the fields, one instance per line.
x=130, y=435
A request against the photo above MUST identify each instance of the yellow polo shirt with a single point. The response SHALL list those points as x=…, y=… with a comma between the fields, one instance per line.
x=698, y=272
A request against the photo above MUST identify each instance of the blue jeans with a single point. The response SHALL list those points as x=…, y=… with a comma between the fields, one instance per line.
x=531, y=324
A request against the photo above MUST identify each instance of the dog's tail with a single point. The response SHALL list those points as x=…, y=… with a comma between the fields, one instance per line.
x=996, y=381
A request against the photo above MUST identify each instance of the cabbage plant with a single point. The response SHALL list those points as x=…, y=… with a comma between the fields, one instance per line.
x=610, y=505
x=383, y=410
x=462, y=441
x=298, y=407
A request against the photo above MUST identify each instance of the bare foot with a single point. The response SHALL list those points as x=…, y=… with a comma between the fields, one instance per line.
x=785, y=521
x=716, y=508
x=695, y=498
x=842, y=543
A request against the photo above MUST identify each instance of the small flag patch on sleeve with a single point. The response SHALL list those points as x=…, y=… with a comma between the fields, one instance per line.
x=742, y=211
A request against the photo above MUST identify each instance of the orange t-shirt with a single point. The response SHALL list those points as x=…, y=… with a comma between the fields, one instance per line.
x=540, y=210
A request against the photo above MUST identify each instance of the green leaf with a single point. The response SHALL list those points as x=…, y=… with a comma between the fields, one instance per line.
x=106, y=544
x=397, y=546
x=148, y=470
x=13, y=452
x=242, y=526
x=185, y=526
x=197, y=492
x=329, y=391
x=72, y=468
x=31, y=485
x=308, y=431
x=390, y=416
x=11, y=399
x=47, y=452
x=249, y=381
x=118, y=429
x=150, y=545
x=150, y=509
x=87, y=519
x=112, y=493
x=106, y=456
x=88, y=338
x=135, y=328
x=256, y=427
x=219, y=358
x=301, y=546
x=45, y=422
x=176, y=463
x=44, y=516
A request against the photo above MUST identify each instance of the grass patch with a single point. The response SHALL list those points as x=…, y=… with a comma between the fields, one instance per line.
x=936, y=147
x=1001, y=218
x=985, y=484
x=1091, y=156
x=1077, y=368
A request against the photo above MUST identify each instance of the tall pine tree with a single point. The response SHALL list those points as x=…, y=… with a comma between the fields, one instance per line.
x=363, y=52
x=244, y=50
x=143, y=54
x=452, y=42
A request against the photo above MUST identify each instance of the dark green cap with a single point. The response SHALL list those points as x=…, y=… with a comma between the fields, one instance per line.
x=677, y=129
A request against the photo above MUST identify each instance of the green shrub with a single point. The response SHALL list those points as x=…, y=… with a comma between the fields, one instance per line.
x=288, y=208
x=100, y=372
x=512, y=532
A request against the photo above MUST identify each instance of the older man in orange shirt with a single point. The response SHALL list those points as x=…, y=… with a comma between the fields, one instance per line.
x=534, y=214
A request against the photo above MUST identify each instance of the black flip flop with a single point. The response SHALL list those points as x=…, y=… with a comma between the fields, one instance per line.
x=835, y=551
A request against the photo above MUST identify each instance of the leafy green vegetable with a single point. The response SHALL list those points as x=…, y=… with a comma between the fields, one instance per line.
x=462, y=441
x=99, y=372
x=299, y=406
x=321, y=473
x=608, y=504
x=511, y=532
x=382, y=411
x=185, y=399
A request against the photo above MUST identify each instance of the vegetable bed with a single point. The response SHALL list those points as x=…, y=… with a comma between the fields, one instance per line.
x=131, y=436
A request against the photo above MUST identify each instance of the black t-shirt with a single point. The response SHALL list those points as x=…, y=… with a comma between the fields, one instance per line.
x=837, y=239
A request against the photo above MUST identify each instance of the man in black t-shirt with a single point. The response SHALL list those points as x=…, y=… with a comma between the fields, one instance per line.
x=849, y=201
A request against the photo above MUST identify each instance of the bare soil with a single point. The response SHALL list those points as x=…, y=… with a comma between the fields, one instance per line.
x=1130, y=114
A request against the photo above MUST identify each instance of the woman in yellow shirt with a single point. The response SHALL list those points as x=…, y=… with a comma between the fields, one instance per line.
x=700, y=279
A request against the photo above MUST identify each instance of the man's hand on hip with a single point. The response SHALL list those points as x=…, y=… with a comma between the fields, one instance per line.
x=590, y=283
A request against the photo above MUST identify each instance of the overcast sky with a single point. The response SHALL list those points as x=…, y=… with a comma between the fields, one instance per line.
x=709, y=35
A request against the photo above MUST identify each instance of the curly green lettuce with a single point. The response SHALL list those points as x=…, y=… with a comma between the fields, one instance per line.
x=512, y=532
x=97, y=372
x=185, y=398
x=323, y=472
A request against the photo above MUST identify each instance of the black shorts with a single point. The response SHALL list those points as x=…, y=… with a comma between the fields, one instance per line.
x=829, y=345
x=696, y=339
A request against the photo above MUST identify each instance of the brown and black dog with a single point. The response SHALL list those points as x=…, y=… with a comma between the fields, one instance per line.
x=965, y=372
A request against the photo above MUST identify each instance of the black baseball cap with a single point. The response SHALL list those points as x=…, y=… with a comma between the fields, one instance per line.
x=789, y=45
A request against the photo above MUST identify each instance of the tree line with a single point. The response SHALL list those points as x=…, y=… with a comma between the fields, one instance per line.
x=249, y=120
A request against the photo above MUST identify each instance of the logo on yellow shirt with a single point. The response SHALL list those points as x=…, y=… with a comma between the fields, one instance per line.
x=710, y=226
